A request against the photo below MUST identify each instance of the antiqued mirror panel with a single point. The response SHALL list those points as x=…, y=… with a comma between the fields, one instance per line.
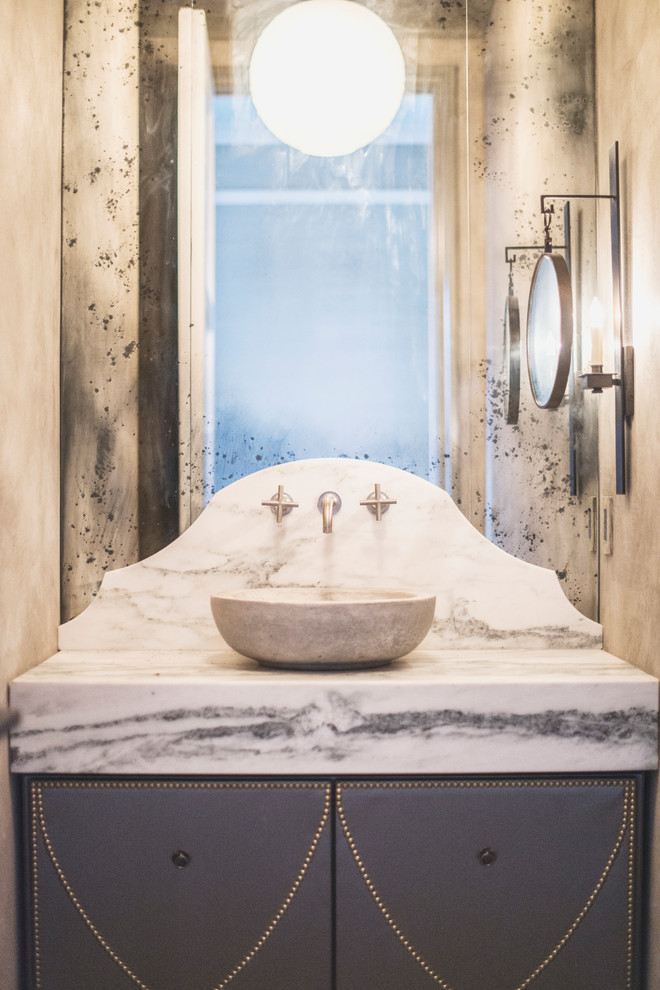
x=508, y=96
x=325, y=342
x=539, y=138
x=338, y=281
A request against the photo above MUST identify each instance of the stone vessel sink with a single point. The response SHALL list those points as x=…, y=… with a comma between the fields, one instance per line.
x=323, y=628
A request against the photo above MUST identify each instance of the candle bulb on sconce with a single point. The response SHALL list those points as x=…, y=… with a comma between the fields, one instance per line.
x=593, y=377
x=596, y=323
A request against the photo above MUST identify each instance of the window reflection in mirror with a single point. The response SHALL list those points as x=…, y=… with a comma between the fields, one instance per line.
x=341, y=322
x=325, y=332
x=513, y=115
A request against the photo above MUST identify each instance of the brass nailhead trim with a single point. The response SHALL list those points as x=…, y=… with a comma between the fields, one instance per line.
x=39, y=825
x=631, y=899
x=627, y=824
x=292, y=893
x=35, y=889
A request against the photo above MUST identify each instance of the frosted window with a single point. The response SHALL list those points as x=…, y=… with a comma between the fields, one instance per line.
x=324, y=340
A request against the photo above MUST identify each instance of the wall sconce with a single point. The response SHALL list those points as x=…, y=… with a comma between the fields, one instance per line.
x=327, y=76
x=622, y=378
x=596, y=379
x=592, y=335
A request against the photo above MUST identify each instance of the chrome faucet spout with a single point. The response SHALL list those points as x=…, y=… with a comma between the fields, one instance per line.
x=328, y=504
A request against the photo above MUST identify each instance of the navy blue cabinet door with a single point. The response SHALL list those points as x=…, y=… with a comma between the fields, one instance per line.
x=173, y=885
x=486, y=885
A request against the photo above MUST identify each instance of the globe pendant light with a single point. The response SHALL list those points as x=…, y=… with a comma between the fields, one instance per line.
x=327, y=76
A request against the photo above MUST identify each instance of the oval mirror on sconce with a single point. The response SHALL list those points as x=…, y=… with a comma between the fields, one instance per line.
x=549, y=330
x=512, y=358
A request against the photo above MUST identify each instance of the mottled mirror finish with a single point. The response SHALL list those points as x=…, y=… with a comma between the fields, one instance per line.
x=523, y=92
x=539, y=136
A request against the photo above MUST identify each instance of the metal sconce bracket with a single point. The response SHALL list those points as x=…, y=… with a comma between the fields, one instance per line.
x=510, y=261
x=596, y=380
x=623, y=375
x=526, y=247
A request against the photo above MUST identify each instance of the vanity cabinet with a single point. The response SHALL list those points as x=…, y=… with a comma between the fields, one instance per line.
x=180, y=885
x=486, y=884
x=355, y=884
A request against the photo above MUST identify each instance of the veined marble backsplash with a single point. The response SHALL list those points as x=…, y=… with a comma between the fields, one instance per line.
x=485, y=597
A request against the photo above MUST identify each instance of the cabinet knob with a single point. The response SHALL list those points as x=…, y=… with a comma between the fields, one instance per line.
x=180, y=858
x=487, y=857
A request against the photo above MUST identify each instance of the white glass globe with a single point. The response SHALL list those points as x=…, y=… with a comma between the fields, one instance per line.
x=327, y=76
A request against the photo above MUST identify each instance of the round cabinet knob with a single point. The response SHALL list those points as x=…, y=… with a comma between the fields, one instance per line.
x=180, y=858
x=487, y=857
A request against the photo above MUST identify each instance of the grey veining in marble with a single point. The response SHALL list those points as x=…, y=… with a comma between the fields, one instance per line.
x=485, y=598
x=431, y=712
x=511, y=678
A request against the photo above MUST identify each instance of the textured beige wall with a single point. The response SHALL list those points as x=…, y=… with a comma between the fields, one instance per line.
x=628, y=82
x=30, y=162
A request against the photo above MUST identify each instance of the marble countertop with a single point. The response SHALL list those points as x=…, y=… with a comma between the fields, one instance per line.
x=434, y=711
x=510, y=678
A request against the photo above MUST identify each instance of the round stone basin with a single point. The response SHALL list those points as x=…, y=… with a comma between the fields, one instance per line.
x=323, y=628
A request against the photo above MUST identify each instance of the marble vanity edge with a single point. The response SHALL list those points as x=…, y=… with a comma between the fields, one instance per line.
x=333, y=724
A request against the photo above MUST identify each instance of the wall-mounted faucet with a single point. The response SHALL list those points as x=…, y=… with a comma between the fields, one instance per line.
x=378, y=502
x=328, y=504
x=280, y=503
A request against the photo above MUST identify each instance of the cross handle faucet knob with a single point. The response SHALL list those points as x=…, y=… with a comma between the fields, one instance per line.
x=280, y=503
x=378, y=502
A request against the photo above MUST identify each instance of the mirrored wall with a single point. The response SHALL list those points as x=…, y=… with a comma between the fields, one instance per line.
x=359, y=301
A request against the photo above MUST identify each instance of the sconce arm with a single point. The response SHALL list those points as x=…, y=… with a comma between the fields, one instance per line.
x=596, y=380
